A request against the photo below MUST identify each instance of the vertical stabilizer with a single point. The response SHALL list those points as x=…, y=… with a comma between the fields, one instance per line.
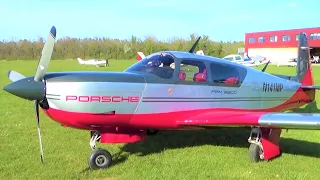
x=304, y=70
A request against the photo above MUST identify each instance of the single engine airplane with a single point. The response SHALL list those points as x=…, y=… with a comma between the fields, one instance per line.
x=93, y=62
x=119, y=107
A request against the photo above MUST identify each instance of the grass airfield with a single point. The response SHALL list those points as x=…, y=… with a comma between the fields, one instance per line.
x=207, y=154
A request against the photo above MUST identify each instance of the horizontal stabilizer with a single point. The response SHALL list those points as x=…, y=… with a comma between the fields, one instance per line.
x=310, y=87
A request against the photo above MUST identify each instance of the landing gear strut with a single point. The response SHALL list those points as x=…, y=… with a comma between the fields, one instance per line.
x=99, y=158
x=255, y=150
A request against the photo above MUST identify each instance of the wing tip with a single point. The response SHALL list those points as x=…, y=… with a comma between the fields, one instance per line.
x=53, y=31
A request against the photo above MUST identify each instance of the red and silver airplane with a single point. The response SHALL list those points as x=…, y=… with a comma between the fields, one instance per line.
x=122, y=107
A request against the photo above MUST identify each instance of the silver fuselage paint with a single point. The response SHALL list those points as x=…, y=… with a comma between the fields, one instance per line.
x=93, y=90
x=249, y=95
x=164, y=98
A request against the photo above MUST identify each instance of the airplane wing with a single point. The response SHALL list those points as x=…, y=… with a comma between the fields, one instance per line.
x=262, y=119
x=254, y=64
x=287, y=64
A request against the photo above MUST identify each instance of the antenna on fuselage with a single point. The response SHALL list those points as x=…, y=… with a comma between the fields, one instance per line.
x=265, y=67
x=194, y=45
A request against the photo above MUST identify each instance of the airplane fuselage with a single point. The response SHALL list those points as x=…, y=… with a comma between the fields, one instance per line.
x=94, y=100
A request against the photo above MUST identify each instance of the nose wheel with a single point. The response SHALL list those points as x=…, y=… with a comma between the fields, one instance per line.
x=99, y=158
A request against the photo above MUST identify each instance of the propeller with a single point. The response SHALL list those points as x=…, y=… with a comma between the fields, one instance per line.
x=15, y=76
x=41, y=70
x=34, y=89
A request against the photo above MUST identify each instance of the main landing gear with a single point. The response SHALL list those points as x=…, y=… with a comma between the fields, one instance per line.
x=256, y=153
x=99, y=158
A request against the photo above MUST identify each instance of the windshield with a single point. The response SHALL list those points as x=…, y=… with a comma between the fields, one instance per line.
x=159, y=64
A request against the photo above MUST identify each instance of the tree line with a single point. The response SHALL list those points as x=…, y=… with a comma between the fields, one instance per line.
x=102, y=48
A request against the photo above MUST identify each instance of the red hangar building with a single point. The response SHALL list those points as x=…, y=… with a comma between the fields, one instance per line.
x=281, y=45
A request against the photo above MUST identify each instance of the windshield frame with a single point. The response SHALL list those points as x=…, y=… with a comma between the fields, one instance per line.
x=150, y=65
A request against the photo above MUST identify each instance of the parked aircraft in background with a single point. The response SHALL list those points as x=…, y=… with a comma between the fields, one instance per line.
x=247, y=61
x=292, y=63
x=120, y=107
x=93, y=62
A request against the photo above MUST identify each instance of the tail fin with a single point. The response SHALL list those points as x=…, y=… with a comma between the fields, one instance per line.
x=304, y=71
x=80, y=60
x=200, y=52
x=140, y=56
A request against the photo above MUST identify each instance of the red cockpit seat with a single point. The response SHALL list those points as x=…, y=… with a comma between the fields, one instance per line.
x=201, y=77
x=182, y=75
x=232, y=80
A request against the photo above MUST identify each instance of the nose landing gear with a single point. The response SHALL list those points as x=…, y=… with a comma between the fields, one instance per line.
x=99, y=158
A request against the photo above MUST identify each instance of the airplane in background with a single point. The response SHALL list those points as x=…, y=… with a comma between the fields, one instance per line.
x=292, y=63
x=247, y=61
x=120, y=107
x=93, y=62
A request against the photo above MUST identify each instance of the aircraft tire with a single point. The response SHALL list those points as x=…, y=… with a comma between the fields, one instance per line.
x=100, y=159
x=254, y=153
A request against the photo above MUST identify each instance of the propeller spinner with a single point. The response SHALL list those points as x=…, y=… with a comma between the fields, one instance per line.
x=34, y=88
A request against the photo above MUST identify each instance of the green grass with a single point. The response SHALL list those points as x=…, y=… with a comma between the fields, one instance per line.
x=208, y=154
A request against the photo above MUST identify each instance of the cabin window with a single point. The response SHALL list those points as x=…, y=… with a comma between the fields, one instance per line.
x=314, y=36
x=297, y=37
x=285, y=38
x=238, y=58
x=227, y=74
x=252, y=40
x=191, y=70
x=261, y=39
x=273, y=38
x=158, y=64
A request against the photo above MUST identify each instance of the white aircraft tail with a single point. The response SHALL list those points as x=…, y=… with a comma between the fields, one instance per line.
x=140, y=56
x=200, y=52
x=80, y=61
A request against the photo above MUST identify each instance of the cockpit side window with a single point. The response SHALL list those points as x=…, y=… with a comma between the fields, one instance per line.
x=227, y=74
x=193, y=70
x=159, y=64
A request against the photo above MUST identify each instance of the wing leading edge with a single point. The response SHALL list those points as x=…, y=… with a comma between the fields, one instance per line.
x=262, y=119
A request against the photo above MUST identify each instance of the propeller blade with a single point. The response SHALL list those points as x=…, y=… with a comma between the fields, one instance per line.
x=36, y=108
x=15, y=76
x=46, y=55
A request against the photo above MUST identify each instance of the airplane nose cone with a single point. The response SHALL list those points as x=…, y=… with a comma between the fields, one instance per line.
x=27, y=88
